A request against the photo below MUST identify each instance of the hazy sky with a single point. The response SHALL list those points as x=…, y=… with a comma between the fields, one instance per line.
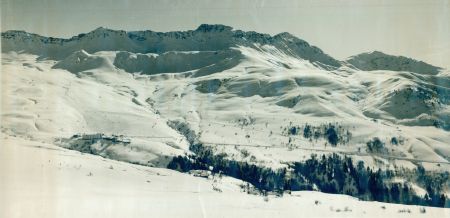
x=414, y=28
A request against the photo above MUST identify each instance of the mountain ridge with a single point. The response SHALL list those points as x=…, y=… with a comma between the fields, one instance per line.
x=205, y=37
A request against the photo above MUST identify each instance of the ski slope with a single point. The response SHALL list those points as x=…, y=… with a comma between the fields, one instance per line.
x=44, y=180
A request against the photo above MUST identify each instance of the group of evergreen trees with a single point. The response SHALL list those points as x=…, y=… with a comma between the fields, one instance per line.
x=264, y=179
x=376, y=146
x=330, y=174
x=333, y=133
x=334, y=174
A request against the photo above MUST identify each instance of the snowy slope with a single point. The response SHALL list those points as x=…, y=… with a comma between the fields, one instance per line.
x=47, y=104
x=44, y=180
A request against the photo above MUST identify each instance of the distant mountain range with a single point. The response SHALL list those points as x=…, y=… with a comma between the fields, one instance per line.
x=205, y=38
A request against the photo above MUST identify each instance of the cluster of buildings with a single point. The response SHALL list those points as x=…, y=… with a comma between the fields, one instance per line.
x=100, y=136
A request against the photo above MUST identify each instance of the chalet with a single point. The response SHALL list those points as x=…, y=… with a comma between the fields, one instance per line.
x=200, y=173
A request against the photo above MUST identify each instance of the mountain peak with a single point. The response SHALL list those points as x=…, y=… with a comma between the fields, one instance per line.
x=289, y=37
x=213, y=28
x=376, y=53
x=103, y=30
x=284, y=35
x=15, y=33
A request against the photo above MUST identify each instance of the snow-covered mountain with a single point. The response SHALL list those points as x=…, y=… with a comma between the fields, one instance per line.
x=144, y=97
x=204, y=38
x=377, y=60
x=215, y=77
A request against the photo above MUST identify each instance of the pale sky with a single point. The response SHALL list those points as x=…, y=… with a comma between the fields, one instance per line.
x=415, y=28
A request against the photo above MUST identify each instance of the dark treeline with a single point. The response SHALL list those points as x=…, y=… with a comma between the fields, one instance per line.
x=335, y=174
x=330, y=174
